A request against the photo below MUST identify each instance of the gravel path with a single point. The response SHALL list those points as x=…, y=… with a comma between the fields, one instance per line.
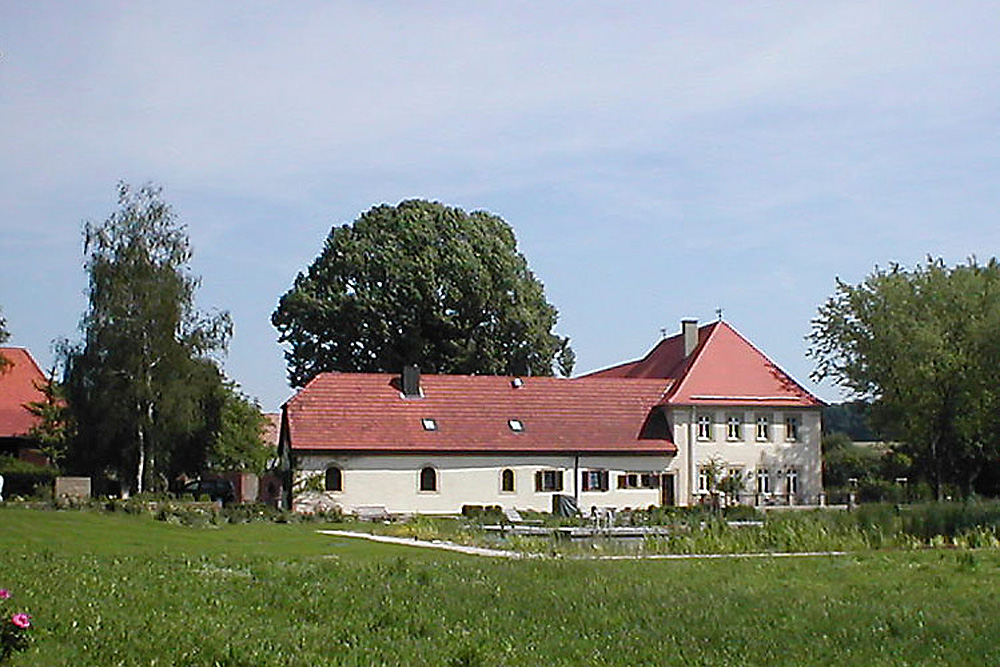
x=503, y=553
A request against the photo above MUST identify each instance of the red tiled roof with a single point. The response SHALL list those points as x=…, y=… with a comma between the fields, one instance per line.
x=724, y=369
x=666, y=360
x=19, y=384
x=365, y=412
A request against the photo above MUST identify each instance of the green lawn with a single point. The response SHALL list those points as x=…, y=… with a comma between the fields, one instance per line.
x=125, y=590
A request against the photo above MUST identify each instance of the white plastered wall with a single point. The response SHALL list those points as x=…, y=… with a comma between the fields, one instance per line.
x=776, y=454
x=392, y=481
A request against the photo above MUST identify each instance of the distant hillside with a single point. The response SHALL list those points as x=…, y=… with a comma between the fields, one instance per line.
x=850, y=418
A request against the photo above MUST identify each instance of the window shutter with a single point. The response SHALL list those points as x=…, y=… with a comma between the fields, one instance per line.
x=586, y=480
x=538, y=480
x=559, y=480
x=604, y=480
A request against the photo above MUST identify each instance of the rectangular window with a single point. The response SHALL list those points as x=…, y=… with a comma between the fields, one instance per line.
x=734, y=487
x=702, y=480
x=734, y=428
x=549, y=480
x=629, y=480
x=763, y=428
x=595, y=480
x=791, y=429
x=763, y=481
x=792, y=481
x=649, y=480
x=704, y=427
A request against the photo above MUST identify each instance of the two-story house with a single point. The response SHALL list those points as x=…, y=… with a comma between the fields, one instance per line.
x=638, y=434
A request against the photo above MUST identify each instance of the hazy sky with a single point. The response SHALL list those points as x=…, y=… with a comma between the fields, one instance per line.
x=657, y=160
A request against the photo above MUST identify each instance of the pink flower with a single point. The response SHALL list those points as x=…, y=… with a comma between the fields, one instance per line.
x=22, y=621
x=4, y=594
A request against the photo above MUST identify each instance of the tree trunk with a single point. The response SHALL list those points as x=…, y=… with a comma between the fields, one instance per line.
x=936, y=481
x=140, y=473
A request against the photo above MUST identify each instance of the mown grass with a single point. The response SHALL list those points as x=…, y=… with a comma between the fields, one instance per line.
x=125, y=590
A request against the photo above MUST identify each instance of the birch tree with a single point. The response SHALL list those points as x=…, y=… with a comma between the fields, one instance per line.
x=133, y=381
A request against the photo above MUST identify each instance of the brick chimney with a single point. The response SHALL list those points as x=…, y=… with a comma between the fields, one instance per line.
x=411, y=382
x=689, y=328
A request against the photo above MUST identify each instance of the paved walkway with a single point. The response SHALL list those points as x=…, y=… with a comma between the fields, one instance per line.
x=429, y=544
x=504, y=553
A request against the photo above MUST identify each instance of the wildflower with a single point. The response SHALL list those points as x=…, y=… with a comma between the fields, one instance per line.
x=4, y=594
x=22, y=621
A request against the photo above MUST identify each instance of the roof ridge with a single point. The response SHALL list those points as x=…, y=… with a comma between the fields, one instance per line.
x=27, y=353
x=695, y=356
x=778, y=368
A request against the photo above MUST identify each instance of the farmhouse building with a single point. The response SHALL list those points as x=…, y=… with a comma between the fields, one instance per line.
x=701, y=405
x=21, y=381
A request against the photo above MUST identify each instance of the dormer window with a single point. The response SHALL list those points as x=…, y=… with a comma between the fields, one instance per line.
x=429, y=424
x=516, y=425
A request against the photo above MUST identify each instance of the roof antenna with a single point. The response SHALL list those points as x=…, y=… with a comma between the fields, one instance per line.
x=663, y=333
x=718, y=312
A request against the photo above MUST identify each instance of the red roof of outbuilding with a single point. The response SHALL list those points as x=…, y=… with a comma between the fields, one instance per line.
x=366, y=412
x=19, y=385
x=724, y=369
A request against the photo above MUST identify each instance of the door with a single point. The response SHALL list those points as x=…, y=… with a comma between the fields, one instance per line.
x=667, y=490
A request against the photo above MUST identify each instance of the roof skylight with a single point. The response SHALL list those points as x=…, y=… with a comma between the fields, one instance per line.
x=429, y=424
x=516, y=425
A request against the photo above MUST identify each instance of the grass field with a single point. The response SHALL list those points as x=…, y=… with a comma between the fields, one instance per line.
x=126, y=590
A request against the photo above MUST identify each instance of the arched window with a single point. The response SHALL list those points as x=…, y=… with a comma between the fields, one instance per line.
x=507, y=480
x=428, y=479
x=334, y=479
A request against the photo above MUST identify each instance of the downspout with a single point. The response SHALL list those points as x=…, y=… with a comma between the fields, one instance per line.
x=692, y=478
x=576, y=479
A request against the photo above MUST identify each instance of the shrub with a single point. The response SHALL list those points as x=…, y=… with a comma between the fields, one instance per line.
x=22, y=478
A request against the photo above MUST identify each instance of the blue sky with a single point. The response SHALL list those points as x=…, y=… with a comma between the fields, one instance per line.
x=657, y=160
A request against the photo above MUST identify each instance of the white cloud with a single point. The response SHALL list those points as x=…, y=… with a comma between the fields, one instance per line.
x=632, y=145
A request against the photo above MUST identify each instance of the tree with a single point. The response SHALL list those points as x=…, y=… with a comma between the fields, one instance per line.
x=419, y=283
x=923, y=346
x=138, y=382
x=850, y=417
x=237, y=443
x=55, y=428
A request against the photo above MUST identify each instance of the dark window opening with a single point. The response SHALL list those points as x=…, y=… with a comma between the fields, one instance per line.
x=596, y=480
x=428, y=479
x=334, y=479
x=507, y=480
x=549, y=480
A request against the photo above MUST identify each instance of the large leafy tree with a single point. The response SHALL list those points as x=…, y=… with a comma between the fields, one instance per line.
x=139, y=381
x=420, y=283
x=923, y=346
x=237, y=441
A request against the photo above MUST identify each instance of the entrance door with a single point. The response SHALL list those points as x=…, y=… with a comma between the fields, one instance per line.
x=667, y=490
